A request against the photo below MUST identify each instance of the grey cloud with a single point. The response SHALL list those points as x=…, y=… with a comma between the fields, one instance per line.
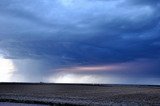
x=81, y=32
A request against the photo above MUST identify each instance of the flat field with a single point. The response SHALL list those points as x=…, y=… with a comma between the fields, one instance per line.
x=80, y=94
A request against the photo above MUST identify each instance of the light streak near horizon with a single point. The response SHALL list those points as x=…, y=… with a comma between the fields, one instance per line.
x=92, y=68
x=6, y=69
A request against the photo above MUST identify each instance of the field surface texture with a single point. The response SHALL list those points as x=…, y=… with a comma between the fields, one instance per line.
x=18, y=104
x=80, y=94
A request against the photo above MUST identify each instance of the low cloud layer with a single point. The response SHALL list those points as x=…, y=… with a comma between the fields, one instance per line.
x=43, y=36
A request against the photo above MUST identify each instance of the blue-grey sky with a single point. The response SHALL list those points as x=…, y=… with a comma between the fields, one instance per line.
x=80, y=41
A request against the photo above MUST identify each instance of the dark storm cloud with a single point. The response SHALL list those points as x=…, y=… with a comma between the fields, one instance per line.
x=80, y=32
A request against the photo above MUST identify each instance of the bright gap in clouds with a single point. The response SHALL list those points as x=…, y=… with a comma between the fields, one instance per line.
x=6, y=69
x=74, y=78
x=99, y=79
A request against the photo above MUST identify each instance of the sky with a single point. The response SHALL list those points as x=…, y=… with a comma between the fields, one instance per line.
x=80, y=41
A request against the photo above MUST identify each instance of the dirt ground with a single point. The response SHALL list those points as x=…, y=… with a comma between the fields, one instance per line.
x=80, y=94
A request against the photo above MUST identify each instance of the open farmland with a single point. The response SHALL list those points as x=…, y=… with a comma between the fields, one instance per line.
x=80, y=94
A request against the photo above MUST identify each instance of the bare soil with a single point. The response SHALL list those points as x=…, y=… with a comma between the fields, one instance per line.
x=80, y=94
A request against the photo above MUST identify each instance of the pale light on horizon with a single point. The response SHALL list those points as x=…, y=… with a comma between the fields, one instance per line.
x=6, y=69
x=74, y=78
x=92, y=68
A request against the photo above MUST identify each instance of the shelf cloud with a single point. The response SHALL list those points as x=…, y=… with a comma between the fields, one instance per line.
x=44, y=37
